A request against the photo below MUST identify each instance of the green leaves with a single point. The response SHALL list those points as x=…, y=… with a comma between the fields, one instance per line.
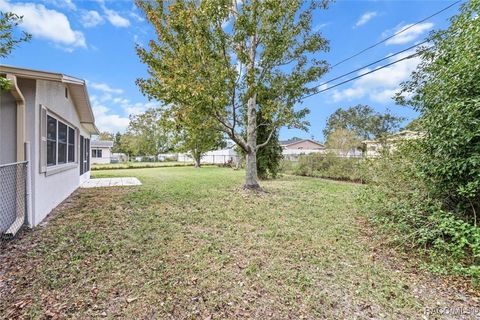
x=363, y=121
x=147, y=135
x=8, y=23
x=446, y=90
x=227, y=60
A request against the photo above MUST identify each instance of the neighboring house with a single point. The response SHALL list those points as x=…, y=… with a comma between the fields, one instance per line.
x=294, y=148
x=101, y=151
x=222, y=156
x=373, y=148
x=301, y=144
x=46, y=122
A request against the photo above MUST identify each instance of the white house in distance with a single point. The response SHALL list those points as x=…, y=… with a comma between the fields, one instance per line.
x=46, y=122
x=101, y=151
x=373, y=148
x=221, y=156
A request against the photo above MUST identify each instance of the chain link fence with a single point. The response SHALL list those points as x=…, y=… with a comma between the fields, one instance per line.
x=13, y=179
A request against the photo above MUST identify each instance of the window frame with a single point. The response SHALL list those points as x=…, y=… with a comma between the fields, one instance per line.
x=97, y=153
x=69, y=162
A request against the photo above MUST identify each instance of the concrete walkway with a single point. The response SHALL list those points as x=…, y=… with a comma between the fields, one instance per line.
x=111, y=182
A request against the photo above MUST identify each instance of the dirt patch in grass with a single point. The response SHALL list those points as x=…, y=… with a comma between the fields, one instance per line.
x=191, y=244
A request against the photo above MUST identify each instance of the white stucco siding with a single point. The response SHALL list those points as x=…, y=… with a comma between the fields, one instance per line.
x=106, y=155
x=8, y=128
x=50, y=189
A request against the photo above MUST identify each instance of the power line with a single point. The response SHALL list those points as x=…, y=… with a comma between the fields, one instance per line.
x=395, y=34
x=371, y=64
x=364, y=74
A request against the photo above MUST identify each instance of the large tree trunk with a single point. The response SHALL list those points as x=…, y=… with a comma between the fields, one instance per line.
x=251, y=179
x=197, y=156
x=197, y=163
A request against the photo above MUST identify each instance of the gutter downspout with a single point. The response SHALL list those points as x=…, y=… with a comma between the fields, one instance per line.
x=21, y=134
x=21, y=144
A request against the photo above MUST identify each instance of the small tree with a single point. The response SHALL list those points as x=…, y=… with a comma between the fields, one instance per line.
x=343, y=141
x=129, y=145
x=8, y=22
x=363, y=121
x=105, y=136
x=148, y=132
x=117, y=148
x=191, y=132
x=219, y=55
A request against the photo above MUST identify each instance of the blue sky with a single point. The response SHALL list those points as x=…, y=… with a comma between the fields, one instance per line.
x=94, y=40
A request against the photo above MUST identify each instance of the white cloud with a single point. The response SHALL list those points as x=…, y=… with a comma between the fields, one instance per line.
x=67, y=4
x=113, y=16
x=319, y=26
x=90, y=18
x=104, y=88
x=367, y=16
x=381, y=85
x=105, y=120
x=139, y=107
x=409, y=35
x=136, y=16
x=112, y=110
x=115, y=19
x=46, y=23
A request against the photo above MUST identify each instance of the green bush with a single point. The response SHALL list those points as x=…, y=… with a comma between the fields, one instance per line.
x=429, y=189
x=400, y=200
x=445, y=89
x=325, y=166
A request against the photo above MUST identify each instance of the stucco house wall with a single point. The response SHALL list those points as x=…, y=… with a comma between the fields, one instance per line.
x=61, y=97
x=304, y=144
x=106, y=155
x=8, y=128
x=50, y=189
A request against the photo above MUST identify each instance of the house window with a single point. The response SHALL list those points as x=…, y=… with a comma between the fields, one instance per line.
x=96, y=153
x=71, y=145
x=60, y=142
x=66, y=92
x=51, y=141
x=84, y=155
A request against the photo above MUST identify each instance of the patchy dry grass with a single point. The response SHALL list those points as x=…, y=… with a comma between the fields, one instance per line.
x=191, y=244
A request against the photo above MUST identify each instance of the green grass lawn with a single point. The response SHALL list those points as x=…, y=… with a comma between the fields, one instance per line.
x=133, y=165
x=192, y=244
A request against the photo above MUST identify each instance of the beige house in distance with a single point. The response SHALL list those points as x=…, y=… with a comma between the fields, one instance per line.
x=46, y=123
x=373, y=148
x=294, y=148
x=301, y=144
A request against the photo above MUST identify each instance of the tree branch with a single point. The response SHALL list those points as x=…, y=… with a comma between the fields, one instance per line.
x=268, y=139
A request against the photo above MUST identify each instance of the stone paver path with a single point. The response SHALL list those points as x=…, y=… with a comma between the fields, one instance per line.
x=111, y=182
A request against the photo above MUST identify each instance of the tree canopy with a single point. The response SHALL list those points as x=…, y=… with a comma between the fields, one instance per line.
x=147, y=134
x=221, y=56
x=364, y=121
x=8, y=39
x=445, y=89
x=191, y=132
